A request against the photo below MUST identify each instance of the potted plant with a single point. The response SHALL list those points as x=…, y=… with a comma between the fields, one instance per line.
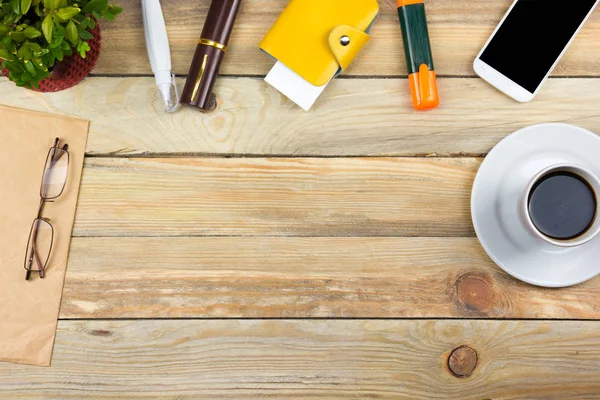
x=49, y=45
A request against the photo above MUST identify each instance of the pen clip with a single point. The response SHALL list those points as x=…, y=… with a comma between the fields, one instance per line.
x=199, y=79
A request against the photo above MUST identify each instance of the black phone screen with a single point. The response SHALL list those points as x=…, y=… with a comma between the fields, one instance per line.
x=532, y=37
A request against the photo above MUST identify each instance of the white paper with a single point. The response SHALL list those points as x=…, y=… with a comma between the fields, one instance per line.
x=293, y=86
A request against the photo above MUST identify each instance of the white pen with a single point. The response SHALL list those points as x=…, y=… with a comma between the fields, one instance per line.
x=159, y=52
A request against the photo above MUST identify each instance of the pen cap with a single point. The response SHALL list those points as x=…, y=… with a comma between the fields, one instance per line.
x=220, y=19
x=208, y=57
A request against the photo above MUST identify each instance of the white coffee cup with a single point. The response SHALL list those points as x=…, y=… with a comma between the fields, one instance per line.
x=593, y=182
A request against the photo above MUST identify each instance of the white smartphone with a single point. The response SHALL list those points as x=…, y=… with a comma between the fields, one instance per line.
x=529, y=42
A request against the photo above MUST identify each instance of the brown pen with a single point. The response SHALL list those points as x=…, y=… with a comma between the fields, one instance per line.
x=209, y=55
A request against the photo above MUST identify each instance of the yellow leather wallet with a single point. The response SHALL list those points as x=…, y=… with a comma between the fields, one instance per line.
x=318, y=39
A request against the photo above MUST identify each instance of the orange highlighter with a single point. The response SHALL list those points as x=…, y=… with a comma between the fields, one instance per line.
x=417, y=49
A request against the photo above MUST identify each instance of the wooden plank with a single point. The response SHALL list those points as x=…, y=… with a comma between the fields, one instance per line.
x=304, y=278
x=312, y=360
x=354, y=117
x=275, y=197
x=458, y=28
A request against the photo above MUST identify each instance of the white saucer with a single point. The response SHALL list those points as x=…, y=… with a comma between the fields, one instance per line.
x=498, y=188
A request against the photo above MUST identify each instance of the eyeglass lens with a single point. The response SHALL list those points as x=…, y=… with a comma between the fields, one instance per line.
x=39, y=246
x=55, y=173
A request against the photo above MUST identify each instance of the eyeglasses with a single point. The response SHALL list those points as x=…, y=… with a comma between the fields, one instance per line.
x=41, y=236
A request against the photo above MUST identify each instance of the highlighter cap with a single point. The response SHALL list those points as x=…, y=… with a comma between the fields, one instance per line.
x=423, y=89
x=402, y=3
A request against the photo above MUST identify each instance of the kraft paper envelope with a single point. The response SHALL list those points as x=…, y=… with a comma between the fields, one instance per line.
x=29, y=309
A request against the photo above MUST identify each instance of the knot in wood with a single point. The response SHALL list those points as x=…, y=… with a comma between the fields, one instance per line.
x=475, y=293
x=462, y=361
x=100, y=332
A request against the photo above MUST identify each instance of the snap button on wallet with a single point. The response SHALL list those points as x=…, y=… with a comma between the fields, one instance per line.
x=314, y=41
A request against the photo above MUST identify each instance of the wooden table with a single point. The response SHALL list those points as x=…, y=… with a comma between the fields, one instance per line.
x=261, y=252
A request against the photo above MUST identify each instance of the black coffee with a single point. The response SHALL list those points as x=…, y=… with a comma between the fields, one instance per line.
x=562, y=205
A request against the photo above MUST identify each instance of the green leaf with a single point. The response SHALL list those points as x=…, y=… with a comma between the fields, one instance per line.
x=34, y=47
x=57, y=53
x=29, y=67
x=48, y=27
x=50, y=60
x=83, y=48
x=114, y=10
x=108, y=16
x=3, y=29
x=17, y=36
x=51, y=4
x=24, y=53
x=86, y=35
x=72, y=32
x=5, y=55
x=96, y=5
x=11, y=18
x=31, y=33
x=12, y=66
x=16, y=6
x=57, y=42
x=38, y=63
x=6, y=40
x=25, y=4
x=59, y=30
x=67, y=13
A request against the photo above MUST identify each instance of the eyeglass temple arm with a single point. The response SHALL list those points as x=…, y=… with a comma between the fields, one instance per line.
x=34, y=255
x=57, y=141
x=55, y=157
x=33, y=246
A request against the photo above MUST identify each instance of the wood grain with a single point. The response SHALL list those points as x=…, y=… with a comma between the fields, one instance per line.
x=305, y=278
x=300, y=237
x=276, y=197
x=312, y=360
x=354, y=117
x=458, y=29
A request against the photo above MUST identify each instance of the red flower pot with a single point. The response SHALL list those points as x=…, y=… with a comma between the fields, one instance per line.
x=72, y=69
